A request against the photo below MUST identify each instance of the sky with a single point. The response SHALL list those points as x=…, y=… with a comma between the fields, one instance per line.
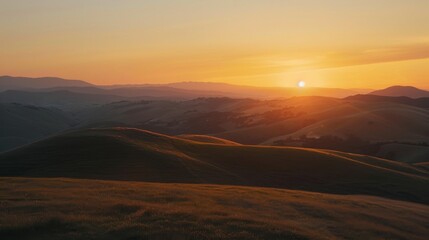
x=330, y=43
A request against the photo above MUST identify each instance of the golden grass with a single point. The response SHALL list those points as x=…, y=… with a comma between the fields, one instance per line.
x=92, y=209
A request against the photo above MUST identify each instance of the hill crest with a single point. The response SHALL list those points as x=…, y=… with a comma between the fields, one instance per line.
x=398, y=91
x=10, y=83
x=139, y=155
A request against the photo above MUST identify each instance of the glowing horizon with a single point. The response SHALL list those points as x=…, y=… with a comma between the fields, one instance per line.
x=336, y=44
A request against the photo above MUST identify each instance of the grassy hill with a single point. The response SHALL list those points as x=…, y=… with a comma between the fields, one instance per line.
x=90, y=209
x=417, y=102
x=250, y=121
x=131, y=154
x=368, y=121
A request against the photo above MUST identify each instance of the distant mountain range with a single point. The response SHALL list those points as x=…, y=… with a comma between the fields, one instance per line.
x=190, y=90
x=170, y=91
x=398, y=91
x=9, y=82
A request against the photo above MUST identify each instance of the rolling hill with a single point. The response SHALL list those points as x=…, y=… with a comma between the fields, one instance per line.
x=405, y=152
x=90, y=209
x=317, y=116
x=198, y=116
x=137, y=155
x=23, y=124
x=416, y=102
x=398, y=91
x=210, y=115
x=247, y=121
x=370, y=122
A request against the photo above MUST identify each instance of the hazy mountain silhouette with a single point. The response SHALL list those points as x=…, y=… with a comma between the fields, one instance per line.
x=171, y=91
x=398, y=91
x=9, y=82
x=243, y=91
x=238, y=91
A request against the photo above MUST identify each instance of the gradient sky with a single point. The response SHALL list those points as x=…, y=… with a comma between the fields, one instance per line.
x=330, y=43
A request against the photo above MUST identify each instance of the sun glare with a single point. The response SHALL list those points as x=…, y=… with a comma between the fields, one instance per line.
x=301, y=84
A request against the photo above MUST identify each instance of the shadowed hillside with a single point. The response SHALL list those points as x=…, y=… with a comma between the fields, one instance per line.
x=405, y=152
x=417, y=102
x=22, y=124
x=131, y=154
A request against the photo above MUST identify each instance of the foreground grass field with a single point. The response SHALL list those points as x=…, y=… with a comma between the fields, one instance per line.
x=91, y=209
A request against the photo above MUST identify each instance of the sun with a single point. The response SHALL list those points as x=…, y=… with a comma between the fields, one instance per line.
x=301, y=84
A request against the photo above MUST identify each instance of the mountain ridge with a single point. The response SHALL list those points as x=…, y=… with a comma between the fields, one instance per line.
x=11, y=82
x=397, y=91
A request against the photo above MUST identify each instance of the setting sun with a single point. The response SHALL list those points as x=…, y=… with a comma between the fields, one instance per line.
x=187, y=119
x=250, y=43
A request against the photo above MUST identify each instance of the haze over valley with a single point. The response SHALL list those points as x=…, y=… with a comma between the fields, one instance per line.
x=235, y=120
x=196, y=134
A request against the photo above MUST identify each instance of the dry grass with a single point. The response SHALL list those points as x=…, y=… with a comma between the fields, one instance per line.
x=91, y=209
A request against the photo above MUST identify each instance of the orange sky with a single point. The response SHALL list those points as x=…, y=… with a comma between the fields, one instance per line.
x=332, y=43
